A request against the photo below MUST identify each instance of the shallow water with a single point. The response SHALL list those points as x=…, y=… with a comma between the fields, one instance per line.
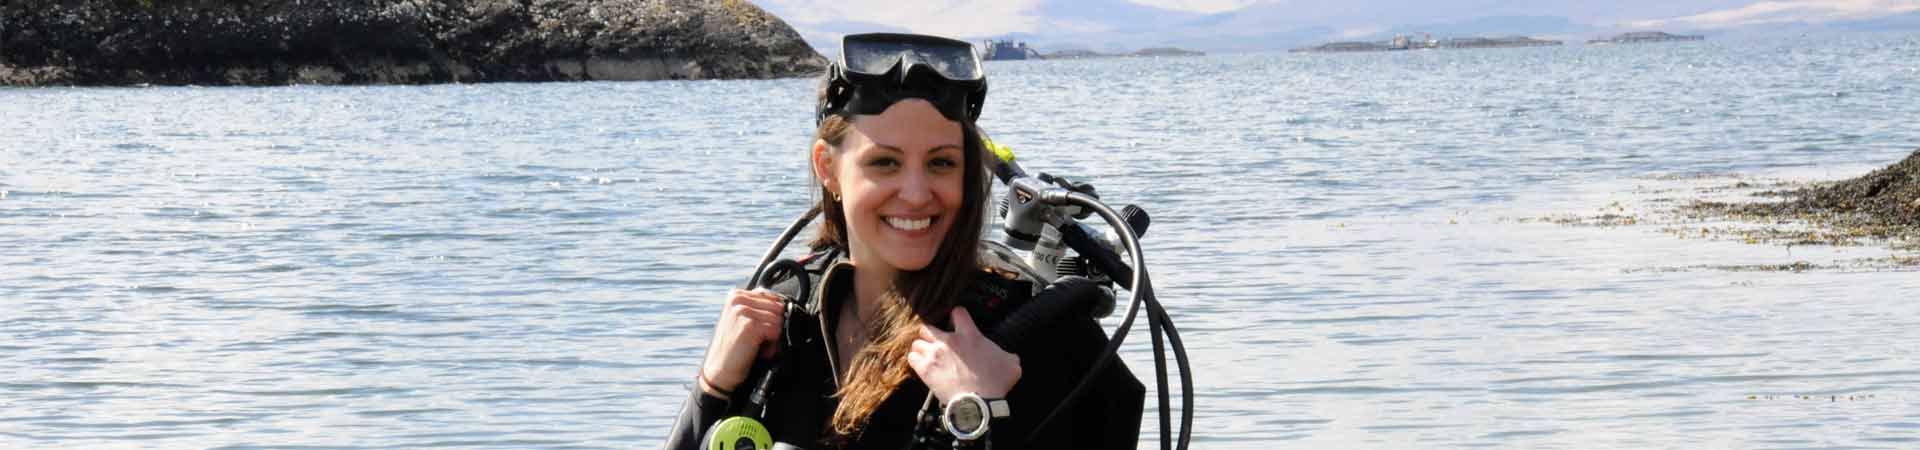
x=1342, y=238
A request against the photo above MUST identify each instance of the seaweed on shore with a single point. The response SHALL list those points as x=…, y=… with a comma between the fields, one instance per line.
x=1879, y=208
x=1886, y=264
x=1884, y=205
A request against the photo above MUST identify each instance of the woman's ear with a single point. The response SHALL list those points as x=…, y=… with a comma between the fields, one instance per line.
x=823, y=165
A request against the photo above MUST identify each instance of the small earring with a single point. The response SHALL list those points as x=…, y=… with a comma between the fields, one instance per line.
x=836, y=196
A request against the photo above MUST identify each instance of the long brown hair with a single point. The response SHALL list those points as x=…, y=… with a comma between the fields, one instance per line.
x=930, y=292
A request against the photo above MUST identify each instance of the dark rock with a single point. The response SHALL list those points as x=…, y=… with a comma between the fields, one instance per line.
x=254, y=42
x=1884, y=204
x=1165, y=51
x=1890, y=195
x=1077, y=54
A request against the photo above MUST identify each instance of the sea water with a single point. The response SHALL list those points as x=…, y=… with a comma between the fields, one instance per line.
x=1347, y=242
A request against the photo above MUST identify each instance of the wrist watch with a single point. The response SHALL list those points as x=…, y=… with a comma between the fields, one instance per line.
x=967, y=415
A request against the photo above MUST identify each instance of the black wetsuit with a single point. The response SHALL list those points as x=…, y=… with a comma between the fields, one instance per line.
x=1051, y=364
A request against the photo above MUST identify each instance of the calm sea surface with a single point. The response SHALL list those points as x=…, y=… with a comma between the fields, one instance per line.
x=1340, y=237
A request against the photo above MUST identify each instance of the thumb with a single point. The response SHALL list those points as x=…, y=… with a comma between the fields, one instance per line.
x=963, y=322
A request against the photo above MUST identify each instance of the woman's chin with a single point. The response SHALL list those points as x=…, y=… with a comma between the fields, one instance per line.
x=909, y=263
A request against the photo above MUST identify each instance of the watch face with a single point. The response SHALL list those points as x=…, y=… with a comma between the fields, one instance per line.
x=967, y=416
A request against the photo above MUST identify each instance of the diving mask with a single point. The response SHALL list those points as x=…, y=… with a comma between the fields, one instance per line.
x=877, y=69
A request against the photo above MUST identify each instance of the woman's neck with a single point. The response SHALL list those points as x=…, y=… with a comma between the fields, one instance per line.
x=869, y=285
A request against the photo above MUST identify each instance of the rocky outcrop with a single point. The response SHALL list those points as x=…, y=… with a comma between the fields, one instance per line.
x=1889, y=196
x=1883, y=204
x=271, y=42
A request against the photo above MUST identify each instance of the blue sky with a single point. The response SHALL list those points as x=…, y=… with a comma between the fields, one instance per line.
x=824, y=20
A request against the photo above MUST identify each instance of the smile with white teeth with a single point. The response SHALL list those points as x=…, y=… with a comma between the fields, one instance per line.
x=910, y=224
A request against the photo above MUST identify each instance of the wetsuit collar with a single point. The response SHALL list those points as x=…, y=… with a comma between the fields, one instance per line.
x=829, y=292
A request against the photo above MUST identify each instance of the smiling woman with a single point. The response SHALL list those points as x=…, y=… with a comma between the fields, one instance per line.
x=888, y=327
x=898, y=175
x=897, y=183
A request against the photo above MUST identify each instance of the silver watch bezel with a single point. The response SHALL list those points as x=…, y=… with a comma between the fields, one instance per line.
x=986, y=416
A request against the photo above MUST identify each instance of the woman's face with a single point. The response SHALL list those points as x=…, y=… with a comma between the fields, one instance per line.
x=899, y=175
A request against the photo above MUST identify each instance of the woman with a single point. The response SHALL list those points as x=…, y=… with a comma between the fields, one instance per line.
x=903, y=185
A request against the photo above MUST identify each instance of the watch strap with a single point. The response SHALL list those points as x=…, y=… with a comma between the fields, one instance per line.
x=977, y=444
x=998, y=408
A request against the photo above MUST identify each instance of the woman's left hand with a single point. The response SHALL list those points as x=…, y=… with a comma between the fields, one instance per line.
x=962, y=361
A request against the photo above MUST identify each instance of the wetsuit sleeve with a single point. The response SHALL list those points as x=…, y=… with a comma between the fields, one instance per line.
x=1107, y=417
x=698, y=413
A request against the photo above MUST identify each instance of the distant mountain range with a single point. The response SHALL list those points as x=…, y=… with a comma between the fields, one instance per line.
x=1121, y=25
x=1908, y=21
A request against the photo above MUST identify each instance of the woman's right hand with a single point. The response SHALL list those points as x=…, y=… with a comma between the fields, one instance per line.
x=749, y=319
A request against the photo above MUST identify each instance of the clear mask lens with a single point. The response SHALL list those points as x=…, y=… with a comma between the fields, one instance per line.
x=875, y=54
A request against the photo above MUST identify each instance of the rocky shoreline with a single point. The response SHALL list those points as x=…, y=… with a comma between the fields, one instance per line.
x=278, y=42
x=1881, y=205
x=1879, y=209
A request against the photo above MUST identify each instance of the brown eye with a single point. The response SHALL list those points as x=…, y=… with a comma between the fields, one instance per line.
x=944, y=163
x=883, y=162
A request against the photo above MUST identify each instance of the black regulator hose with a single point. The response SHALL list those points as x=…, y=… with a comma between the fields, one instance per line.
x=1081, y=239
x=759, y=271
x=1136, y=279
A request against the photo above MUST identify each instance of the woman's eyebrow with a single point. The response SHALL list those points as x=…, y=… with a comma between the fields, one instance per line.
x=898, y=150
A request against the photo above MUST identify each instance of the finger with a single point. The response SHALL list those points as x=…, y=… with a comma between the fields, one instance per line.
x=733, y=299
x=759, y=329
x=768, y=293
x=773, y=308
x=923, y=347
x=762, y=336
x=930, y=333
x=761, y=323
x=918, y=363
x=758, y=293
x=762, y=297
x=963, y=322
x=775, y=305
x=758, y=299
x=770, y=323
x=754, y=315
x=773, y=331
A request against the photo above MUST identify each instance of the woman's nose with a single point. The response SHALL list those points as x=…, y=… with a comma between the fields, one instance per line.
x=914, y=188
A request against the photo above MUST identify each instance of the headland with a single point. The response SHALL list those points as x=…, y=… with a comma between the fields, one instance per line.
x=279, y=42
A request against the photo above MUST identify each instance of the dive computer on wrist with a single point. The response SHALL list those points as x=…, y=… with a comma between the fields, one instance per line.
x=968, y=416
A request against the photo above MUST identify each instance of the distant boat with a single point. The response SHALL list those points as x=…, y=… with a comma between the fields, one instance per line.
x=1009, y=51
